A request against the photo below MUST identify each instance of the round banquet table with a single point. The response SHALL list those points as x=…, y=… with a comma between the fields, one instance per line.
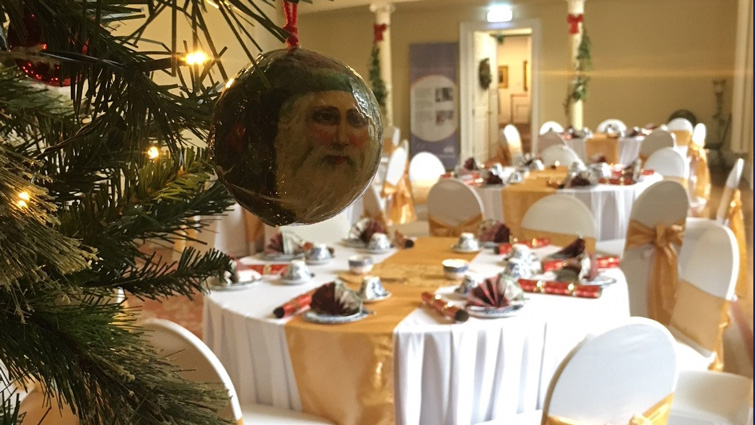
x=629, y=148
x=610, y=205
x=443, y=373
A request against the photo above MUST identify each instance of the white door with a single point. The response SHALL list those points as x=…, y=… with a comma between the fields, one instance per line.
x=484, y=47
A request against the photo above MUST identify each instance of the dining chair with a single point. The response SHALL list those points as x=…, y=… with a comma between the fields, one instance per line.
x=197, y=363
x=699, y=173
x=391, y=139
x=711, y=398
x=611, y=377
x=654, y=141
x=546, y=140
x=328, y=231
x=222, y=233
x=682, y=129
x=611, y=124
x=662, y=207
x=425, y=169
x=562, y=154
x=700, y=314
x=670, y=164
x=680, y=124
x=513, y=141
x=396, y=191
x=732, y=183
x=453, y=208
x=551, y=126
x=373, y=205
x=561, y=218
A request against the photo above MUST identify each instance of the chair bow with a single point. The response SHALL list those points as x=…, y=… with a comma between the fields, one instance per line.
x=656, y=415
x=699, y=164
x=441, y=228
x=402, y=205
x=664, y=276
x=737, y=226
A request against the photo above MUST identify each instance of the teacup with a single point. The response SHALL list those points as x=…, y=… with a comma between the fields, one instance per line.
x=454, y=268
x=515, y=177
x=537, y=165
x=297, y=270
x=379, y=242
x=470, y=280
x=319, y=252
x=360, y=264
x=372, y=289
x=467, y=242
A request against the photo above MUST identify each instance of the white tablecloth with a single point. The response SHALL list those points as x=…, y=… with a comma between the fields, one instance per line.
x=629, y=148
x=610, y=205
x=444, y=373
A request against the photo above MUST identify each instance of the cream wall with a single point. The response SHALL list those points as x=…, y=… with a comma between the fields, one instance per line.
x=512, y=53
x=651, y=57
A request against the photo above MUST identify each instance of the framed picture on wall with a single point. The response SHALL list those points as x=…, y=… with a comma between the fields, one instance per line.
x=526, y=72
x=503, y=77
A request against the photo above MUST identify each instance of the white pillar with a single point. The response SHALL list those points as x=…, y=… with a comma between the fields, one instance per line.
x=575, y=7
x=382, y=13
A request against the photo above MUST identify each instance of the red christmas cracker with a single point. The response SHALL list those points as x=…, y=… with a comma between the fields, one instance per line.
x=560, y=288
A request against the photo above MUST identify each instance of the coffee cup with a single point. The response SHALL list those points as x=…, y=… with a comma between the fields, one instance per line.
x=360, y=264
x=372, y=289
x=379, y=242
x=297, y=270
x=470, y=280
x=454, y=268
x=319, y=252
x=467, y=242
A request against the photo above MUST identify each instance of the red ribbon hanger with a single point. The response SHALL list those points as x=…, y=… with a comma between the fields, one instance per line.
x=574, y=21
x=379, y=30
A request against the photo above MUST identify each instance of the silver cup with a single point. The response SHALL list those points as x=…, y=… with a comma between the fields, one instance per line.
x=467, y=242
x=379, y=242
x=319, y=252
x=297, y=270
x=471, y=279
x=372, y=289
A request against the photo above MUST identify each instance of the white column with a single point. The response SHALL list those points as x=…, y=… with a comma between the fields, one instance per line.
x=575, y=7
x=382, y=13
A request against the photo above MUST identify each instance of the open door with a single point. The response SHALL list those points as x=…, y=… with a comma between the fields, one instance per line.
x=484, y=51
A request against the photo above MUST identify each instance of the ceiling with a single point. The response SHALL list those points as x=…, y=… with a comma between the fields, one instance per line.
x=328, y=5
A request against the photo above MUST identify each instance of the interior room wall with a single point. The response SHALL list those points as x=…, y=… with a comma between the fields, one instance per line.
x=512, y=53
x=650, y=57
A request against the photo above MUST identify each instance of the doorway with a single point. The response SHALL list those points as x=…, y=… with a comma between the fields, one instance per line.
x=512, y=97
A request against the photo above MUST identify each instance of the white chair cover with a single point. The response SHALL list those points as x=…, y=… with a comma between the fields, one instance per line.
x=610, y=377
x=565, y=155
x=453, y=202
x=710, y=398
x=392, y=135
x=657, y=140
x=546, y=140
x=514, y=142
x=680, y=124
x=373, y=204
x=198, y=363
x=664, y=202
x=551, y=126
x=329, y=231
x=560, y=214
x=225, y=233
x=405, y=144
x=668, y=162
x=396, y=166
x=732, y=183
x=425, y=166
x=699, y=134
x=611, y=124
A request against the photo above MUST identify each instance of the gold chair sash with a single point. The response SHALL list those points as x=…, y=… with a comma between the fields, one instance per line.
x=656, y=415
x=683, y=137
x=440, y=228
x=557, y=239
x=737, y=226
x=605, y=146
x=420, y=190
x=702, y=317
x=402, y=204
x=699, y=163
x=664, y=274
x=253, y=226
x=502, y=156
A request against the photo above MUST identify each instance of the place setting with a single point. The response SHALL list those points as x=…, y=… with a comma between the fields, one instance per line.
x=233, y=280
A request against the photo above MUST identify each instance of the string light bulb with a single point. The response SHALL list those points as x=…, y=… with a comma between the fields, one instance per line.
x=230, y=82
x=153, y=152
x=196, y=58
x=22, y=198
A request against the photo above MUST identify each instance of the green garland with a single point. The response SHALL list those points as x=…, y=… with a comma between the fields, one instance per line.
x=577, y=89
x=378, y=85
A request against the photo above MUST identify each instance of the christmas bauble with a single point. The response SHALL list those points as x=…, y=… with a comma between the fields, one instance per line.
x=296, y=138
x=34, y=41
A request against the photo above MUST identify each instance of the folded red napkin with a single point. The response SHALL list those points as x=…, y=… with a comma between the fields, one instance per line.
x=335, y=300
x=494, y=232
x=560, y=288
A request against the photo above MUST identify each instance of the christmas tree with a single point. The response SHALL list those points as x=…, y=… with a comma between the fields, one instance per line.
x=86, y=178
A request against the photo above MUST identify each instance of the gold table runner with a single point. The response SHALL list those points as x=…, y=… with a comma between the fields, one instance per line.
x=345, y=372
x=605, y=145
x=518, y=198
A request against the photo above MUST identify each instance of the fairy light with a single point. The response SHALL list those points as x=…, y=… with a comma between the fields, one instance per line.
x=230, y=82
x=22, y=198
x=153, y=152
x=196, y=58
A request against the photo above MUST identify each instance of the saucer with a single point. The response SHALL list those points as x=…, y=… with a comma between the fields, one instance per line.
x=326, y=319
x=494, y=313
x=378, y=251
x=319, y=262
x=490, y=245
x=279, y=256
x=353, y=243
x=599, y=280
x=455, y=248
x=374, y=300
x=236, y=286
x=297, y=281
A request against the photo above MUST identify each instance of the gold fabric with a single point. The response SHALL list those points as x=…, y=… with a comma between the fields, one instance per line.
x=559, y=173
x=345, y=372
x=402, y=205
x=664, y=274
x=702, y=317
x=427, y=251
x=253, y=226
x=606, y=146
x=388, y=147
x=737, y=226
x=420, y=190
x=680, y=180
x=502, y=156
x=656, y=415
x=557, y=239
x=699, y=164
x=683, y=137
x=518, y=198
x=439, y=227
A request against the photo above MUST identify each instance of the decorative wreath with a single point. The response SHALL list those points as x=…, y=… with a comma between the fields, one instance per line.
x=484, y=72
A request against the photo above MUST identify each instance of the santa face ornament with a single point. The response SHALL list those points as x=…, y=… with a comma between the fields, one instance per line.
x=297, y=138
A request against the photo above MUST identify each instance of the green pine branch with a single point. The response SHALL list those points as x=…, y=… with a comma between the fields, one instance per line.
x=378, y=85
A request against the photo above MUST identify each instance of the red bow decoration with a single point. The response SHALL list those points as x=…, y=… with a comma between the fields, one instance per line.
x=379, y=30
x=574, y=21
